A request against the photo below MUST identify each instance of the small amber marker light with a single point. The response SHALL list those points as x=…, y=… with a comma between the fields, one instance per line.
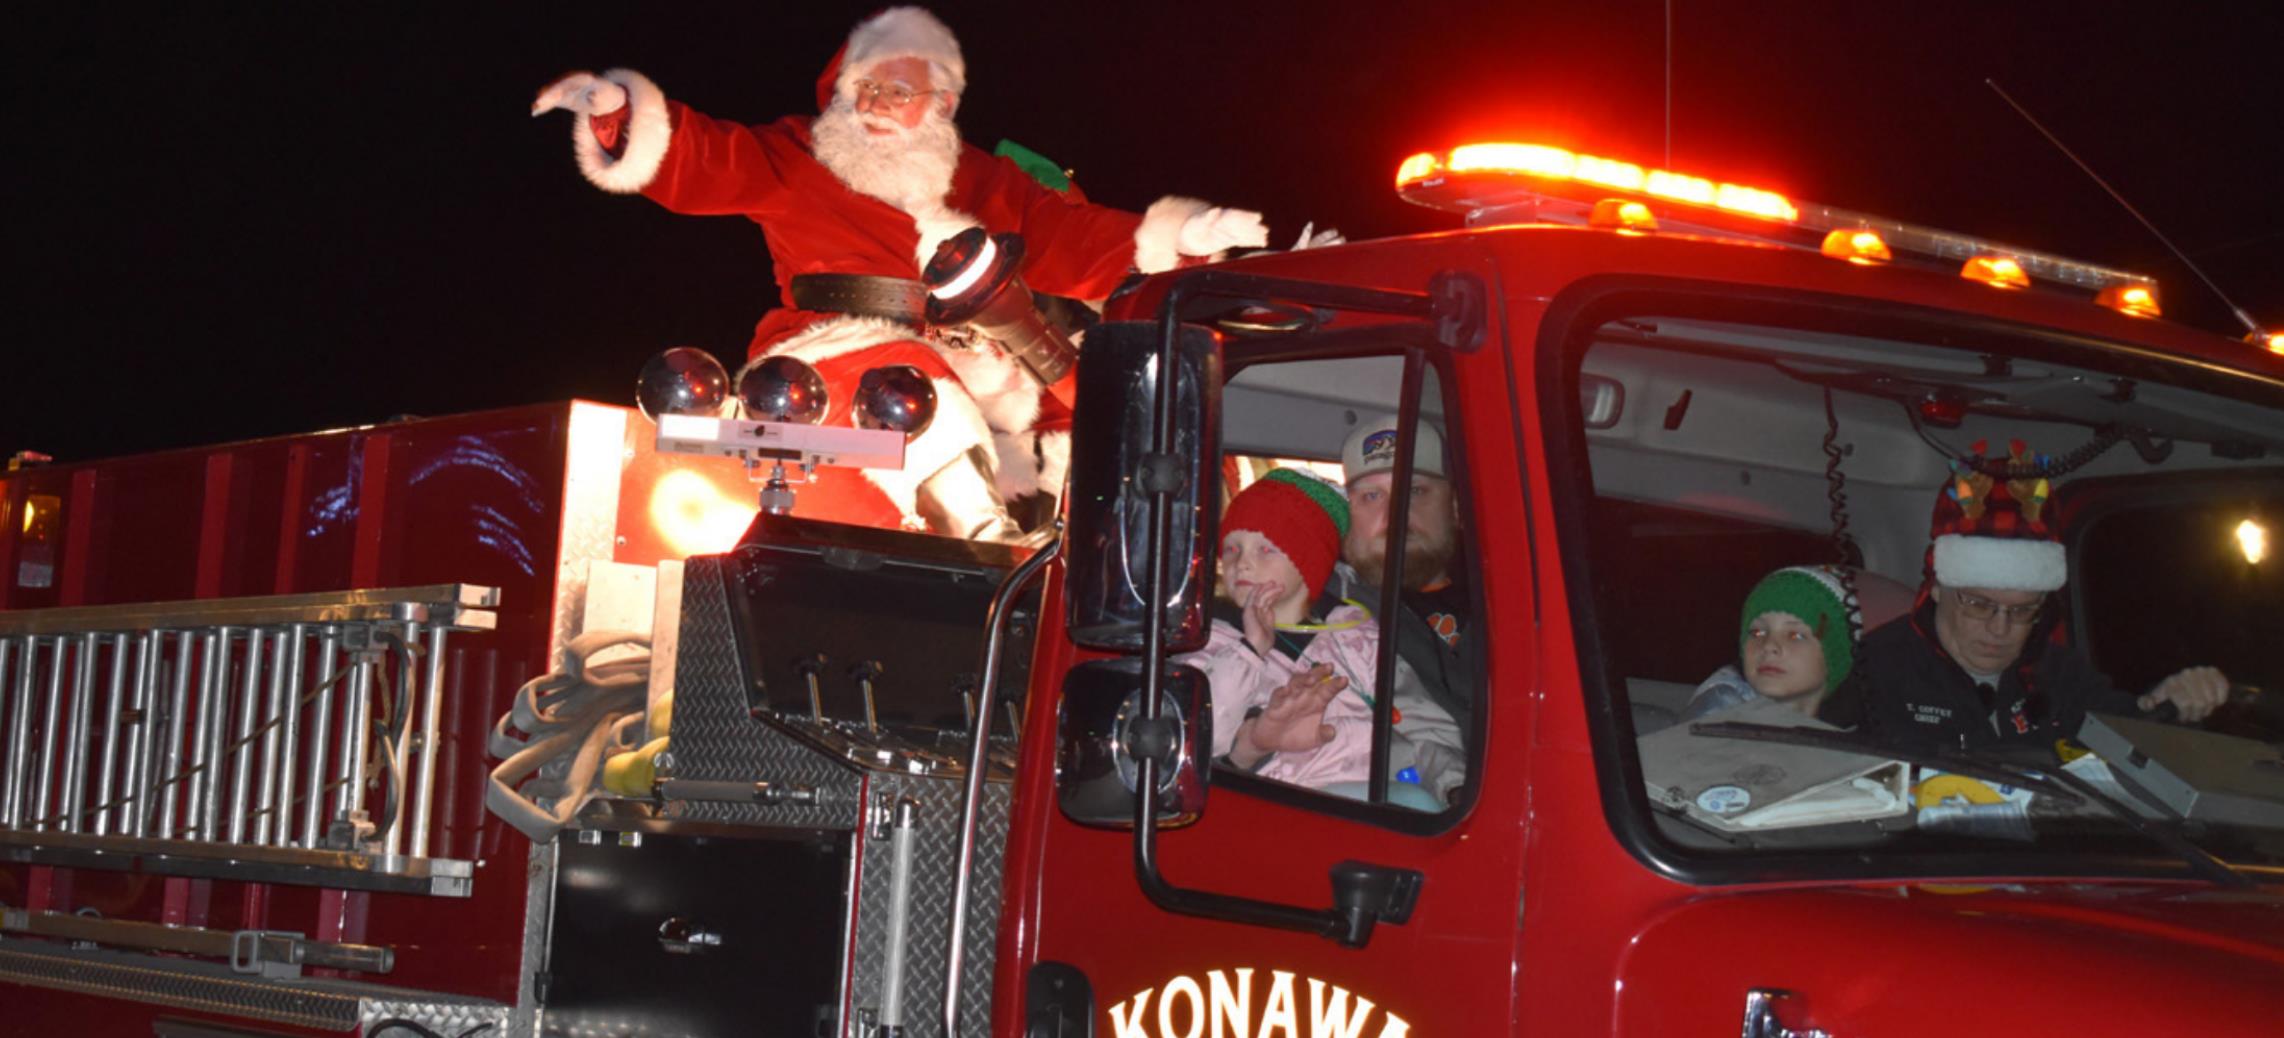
x=1620, y=214
x=1995, y=271
x=1858, y=246
x=2131, y=300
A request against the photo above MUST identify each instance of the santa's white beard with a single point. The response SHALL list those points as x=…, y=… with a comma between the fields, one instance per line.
x=907, y=167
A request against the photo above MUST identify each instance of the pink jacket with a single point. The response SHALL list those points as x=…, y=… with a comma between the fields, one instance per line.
x=1242, y=679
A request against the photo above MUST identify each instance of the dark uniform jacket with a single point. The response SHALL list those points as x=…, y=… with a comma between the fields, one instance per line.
x=1906, y=691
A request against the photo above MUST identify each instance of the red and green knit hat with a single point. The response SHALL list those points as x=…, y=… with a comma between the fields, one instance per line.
x=1993, y=533
x=1816, y=596
x=1305, y=517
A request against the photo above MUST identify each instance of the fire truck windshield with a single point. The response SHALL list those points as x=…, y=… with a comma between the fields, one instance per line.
x=1902, y=600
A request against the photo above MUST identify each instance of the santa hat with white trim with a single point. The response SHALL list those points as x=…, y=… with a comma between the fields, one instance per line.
x=1993, y=533
x=898, y=32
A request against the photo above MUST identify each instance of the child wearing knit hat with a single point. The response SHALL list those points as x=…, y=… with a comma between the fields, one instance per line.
x=1796, y=643
x=1280, y=538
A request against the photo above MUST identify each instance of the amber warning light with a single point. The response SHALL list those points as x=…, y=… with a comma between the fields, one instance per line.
x=1512, y=182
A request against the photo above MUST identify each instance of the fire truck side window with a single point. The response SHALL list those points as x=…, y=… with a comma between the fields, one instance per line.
x=1294, y=657
x=1754, y=513
x=2216, y=599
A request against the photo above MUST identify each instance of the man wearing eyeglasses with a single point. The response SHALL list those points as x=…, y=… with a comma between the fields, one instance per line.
x=1977, y=662
x=853, y=203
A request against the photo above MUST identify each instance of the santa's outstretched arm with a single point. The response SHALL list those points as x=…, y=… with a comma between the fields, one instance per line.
x=628, y=137
x=1083, y=251
x=620, y=127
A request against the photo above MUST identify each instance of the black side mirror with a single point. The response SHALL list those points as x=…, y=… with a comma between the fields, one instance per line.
x=1104, y=738
x=1113, y=472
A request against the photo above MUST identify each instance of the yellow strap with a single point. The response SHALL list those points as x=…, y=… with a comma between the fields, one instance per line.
x=1342, y=626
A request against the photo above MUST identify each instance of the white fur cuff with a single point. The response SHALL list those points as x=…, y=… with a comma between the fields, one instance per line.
x=937, y=226
x=1006, y=394
x=1154, y=249
x=1018, y=471
x=648, y=132
x=1030, y=462
x=836, y=336
x=2000, y=563
x=1054, y=460
x=956, y=427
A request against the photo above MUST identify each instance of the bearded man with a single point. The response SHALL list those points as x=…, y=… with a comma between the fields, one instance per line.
x=1432, y=627
x=853, y=203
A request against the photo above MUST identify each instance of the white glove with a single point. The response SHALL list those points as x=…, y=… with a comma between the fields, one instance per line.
x=583, y=92
x=1215, y=229
x=1311, y=238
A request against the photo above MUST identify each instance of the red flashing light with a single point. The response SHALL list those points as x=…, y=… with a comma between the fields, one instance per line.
x=1551, y=163
x=1942, y=412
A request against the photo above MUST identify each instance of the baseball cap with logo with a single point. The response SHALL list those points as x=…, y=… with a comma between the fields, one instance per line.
x=1372, y=448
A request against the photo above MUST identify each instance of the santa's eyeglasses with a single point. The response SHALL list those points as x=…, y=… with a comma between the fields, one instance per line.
x=894, y=95
x=1981, y=610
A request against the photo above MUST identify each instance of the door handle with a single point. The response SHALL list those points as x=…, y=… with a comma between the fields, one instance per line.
x=679, y=936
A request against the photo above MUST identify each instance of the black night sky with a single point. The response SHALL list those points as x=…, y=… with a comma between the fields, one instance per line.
x=253, y=222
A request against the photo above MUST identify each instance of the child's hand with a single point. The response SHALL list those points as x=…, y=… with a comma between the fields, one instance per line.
x=1293, y=722
x=1261, y=618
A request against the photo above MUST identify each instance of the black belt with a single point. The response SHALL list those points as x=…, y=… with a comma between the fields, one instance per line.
x=864, y=295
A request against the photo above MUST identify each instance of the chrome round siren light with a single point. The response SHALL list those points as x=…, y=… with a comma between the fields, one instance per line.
x=782, y=389
x=683, y=380
x=897, y=397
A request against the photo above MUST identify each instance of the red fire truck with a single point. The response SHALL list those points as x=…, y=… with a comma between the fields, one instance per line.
x=895, y=783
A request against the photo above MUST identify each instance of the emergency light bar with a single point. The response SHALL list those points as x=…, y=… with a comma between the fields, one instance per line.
x=1509, y=182
x=810, y=445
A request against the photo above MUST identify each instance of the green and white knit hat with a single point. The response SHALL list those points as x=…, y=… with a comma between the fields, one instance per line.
x=1818, y=597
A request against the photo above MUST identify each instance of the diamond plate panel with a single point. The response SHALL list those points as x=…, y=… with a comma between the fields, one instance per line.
x=935, y=862
x=716, y=740
x=446, y=1018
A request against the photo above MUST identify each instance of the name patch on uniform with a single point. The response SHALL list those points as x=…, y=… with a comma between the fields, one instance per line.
x=1925, y=714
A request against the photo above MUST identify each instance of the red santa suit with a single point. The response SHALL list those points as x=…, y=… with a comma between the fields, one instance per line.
x=816, y=224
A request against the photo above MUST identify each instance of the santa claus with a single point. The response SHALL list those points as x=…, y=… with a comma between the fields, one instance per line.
x=853, y=202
